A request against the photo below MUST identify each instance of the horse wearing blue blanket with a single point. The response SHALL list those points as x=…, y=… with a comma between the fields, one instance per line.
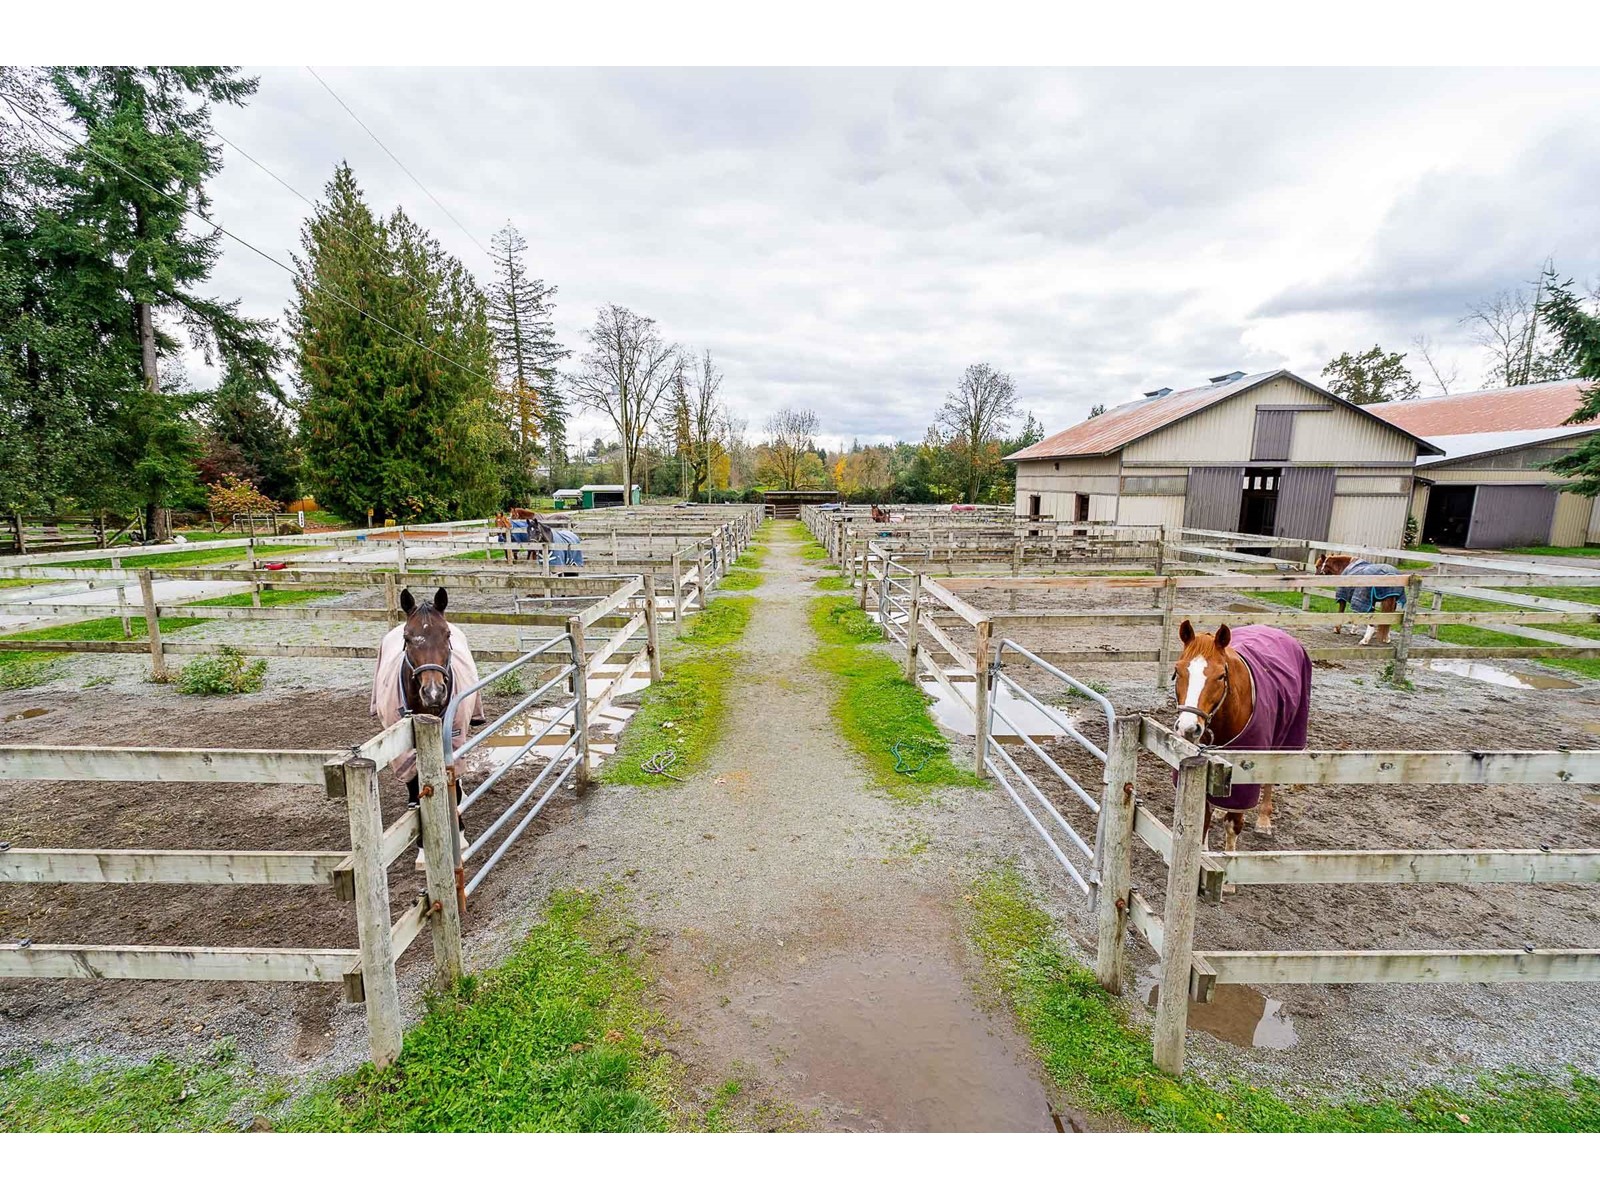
x=1375, y=596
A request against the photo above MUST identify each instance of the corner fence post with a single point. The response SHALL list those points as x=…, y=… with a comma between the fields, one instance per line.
x=1169, y=605
x=152, y=620
x=982, y=683
x=580, y=698
x=652, y=647
x=1177, y=922
x=1113, y=875
x=440, y=847
x=1407, y=627
x=378, y=983
x=677, y=588
x=913, y=621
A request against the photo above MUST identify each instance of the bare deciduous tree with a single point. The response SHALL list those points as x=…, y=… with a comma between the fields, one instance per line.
x=790, y=432
x=1444, y=378
x=1521, y=348
x=973, y=419
x=624, y=374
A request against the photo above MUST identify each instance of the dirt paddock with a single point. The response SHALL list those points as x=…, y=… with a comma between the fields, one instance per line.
x=283, y=1027
x=1348, y=1032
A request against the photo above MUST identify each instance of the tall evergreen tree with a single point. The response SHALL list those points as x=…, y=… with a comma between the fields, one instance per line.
x=246, y=428
x=521, y=312
x=395, y=361
x=1577, y=328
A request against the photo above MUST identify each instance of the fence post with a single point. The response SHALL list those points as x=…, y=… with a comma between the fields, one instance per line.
x=378, y=983
x=122, y=604
x=580, y=697
x=1408, y=624
x=400, y=559
x=152, y=620
x=912, y=623
x=883, y=596
x=1435, y=606
x=1113, y=852
x=866, y=574
x=652, y=647
x=1169, y=604
x=1177, y=922
x=391, y=597
x=981, y=683
x=441, y=847
x=1161, y=548
x=677, y=587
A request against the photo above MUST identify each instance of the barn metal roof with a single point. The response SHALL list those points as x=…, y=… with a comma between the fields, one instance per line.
x=1458, y=447
x=1533, y=406
x=1112, y=430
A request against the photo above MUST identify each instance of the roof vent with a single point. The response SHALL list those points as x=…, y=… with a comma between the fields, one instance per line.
x=1158, y=393
x=1228, y=378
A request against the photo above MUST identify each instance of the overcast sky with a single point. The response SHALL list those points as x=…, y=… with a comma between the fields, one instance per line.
x=849, y=240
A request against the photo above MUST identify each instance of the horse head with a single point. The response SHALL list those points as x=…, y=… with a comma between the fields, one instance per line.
x=1200, y=680
x=425, y=674
x=1334, y=564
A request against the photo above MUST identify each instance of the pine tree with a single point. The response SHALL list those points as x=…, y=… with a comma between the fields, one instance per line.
x=521, y=312
x=246, y=427
x=394, y=360
x=1577, y=330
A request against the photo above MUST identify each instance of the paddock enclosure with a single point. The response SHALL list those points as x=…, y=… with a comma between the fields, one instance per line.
x=1405, y=851
x=313, y=866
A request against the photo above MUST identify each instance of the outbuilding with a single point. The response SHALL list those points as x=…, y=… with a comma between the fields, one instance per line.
x=1269, y=453
x=605, y=495
x=1490, y=485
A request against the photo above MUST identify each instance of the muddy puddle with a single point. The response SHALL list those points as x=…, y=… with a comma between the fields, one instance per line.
x=888, y=1041
x=1237, y=1014
x=26, y=714
x=1487, y=672
x=1011, y=712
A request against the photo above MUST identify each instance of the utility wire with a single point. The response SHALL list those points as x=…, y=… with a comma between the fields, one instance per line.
x=397, y=161
x=18, y=107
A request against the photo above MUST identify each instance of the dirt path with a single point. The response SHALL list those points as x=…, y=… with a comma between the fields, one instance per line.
x=806, y=931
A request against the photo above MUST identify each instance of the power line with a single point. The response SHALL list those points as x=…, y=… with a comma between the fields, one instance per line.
x=290, y=271
x=397, y=162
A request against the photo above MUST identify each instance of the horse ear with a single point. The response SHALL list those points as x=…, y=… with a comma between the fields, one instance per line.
x=441, y=600
x=408, y=602
x=1322, y=561
x=1186, y=633
x=1224, y=636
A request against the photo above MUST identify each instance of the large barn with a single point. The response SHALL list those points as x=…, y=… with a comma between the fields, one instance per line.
x=1267, y=453
x=1490, y=486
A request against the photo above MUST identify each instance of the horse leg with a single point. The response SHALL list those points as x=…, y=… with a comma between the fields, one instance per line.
x=1382, y=639
x=1264, y=811
x=1234, y=823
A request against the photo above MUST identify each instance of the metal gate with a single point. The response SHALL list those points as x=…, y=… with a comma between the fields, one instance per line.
x=1014, y=774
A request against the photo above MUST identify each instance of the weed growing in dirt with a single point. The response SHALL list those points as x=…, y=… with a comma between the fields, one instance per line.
x=225, y=673
x=25, y=670
x=508, y=687
x=1105, y=1064
x=682, y=714
x=753, y=559
x=102, y=1096
x=814, y=551
x=877, y=707
x=557, y=1038
x=741, y=581
x=96, y=681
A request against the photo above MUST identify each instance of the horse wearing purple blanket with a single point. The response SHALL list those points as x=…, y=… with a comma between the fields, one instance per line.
x=1243, y=689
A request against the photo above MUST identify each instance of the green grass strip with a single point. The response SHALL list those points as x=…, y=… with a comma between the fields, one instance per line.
x=556, y=1039
x=1105, y=1065
x=740, y=581
x=683, y=713
x=193, y=558
x=876, y=707
x=833, y=583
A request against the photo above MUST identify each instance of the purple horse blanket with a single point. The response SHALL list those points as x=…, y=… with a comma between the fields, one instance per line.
x=1280, y=670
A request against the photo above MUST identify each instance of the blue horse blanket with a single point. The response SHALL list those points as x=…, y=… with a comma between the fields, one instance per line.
x=565, y=552
x=1361, y=600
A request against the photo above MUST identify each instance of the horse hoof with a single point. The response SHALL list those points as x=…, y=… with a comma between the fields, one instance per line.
x=1229, y=889
x=1265, y=830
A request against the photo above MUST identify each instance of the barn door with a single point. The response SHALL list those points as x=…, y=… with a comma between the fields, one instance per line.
x=1213, y=499
x=1512, y=515
x=1305, y=502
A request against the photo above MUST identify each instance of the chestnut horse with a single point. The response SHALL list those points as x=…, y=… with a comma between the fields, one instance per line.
x=1244, y=689
x=1383, y=598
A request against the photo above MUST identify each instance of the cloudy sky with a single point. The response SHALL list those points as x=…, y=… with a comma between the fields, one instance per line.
x=848, y=240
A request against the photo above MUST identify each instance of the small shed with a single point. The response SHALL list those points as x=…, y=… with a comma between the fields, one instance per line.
x=787, y=505
x=568, y=498
x=605, y=495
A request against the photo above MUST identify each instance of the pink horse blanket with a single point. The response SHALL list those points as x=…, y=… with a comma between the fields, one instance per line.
x=1280, y=670
x=388, y=698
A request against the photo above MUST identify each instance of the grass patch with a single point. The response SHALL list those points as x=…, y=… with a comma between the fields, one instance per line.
x=556, y=1039
x=1476, y=635
x=214, y=1092
x=194, y=558
x=754, y=557
x=833, y=583
x=683, y=713
x=1105, y=1064
x=816, y=550
x=1556, y=551
x=876, y=707
x=740, y=581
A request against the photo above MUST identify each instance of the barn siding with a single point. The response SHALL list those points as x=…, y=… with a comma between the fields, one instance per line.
x=1151, y=510
x=1368, y=520
x=1274, y=434
x=1305, y=502
x=1571, y=524
x=1518, y=515
x=1213, y=499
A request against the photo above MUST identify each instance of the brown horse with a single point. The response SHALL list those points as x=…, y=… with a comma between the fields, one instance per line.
x=427, y=676
x=878, y=515
x=1247, y=689
x=1364, y=599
